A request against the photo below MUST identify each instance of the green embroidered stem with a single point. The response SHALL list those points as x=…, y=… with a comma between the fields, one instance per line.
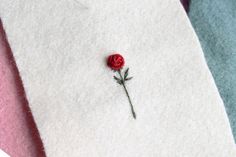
x=126, y=91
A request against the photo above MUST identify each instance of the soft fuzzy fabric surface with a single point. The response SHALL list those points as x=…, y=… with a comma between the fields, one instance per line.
x=18, y=134
x=60, y=49
x=216, y=29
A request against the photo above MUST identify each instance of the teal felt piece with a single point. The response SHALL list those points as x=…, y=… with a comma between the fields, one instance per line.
x=215, y=25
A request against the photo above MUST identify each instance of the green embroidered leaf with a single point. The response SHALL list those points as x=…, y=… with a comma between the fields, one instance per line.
x=129, y=78
x=116, y=78
x=120, y=82
x=126, y=73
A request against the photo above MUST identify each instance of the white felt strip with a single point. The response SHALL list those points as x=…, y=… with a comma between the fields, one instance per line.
x=60, y=48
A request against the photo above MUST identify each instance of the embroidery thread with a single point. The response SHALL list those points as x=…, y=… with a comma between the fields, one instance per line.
x=116, y=62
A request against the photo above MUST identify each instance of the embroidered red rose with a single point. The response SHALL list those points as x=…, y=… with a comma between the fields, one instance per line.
x=115, y=61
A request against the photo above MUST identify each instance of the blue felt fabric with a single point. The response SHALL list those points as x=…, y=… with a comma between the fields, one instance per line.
x=215, y=24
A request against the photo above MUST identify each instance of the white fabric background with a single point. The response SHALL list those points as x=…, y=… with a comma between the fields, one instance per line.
x=3, y=154
x=60, y=48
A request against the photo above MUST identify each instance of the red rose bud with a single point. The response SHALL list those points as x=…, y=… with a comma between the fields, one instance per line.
x=115, y=61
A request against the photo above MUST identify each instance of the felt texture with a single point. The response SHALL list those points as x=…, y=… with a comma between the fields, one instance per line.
x=18, y=134
x=60, y=49
x=217, y=33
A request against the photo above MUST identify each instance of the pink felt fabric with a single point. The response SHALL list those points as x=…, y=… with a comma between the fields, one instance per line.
x=18, y=134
